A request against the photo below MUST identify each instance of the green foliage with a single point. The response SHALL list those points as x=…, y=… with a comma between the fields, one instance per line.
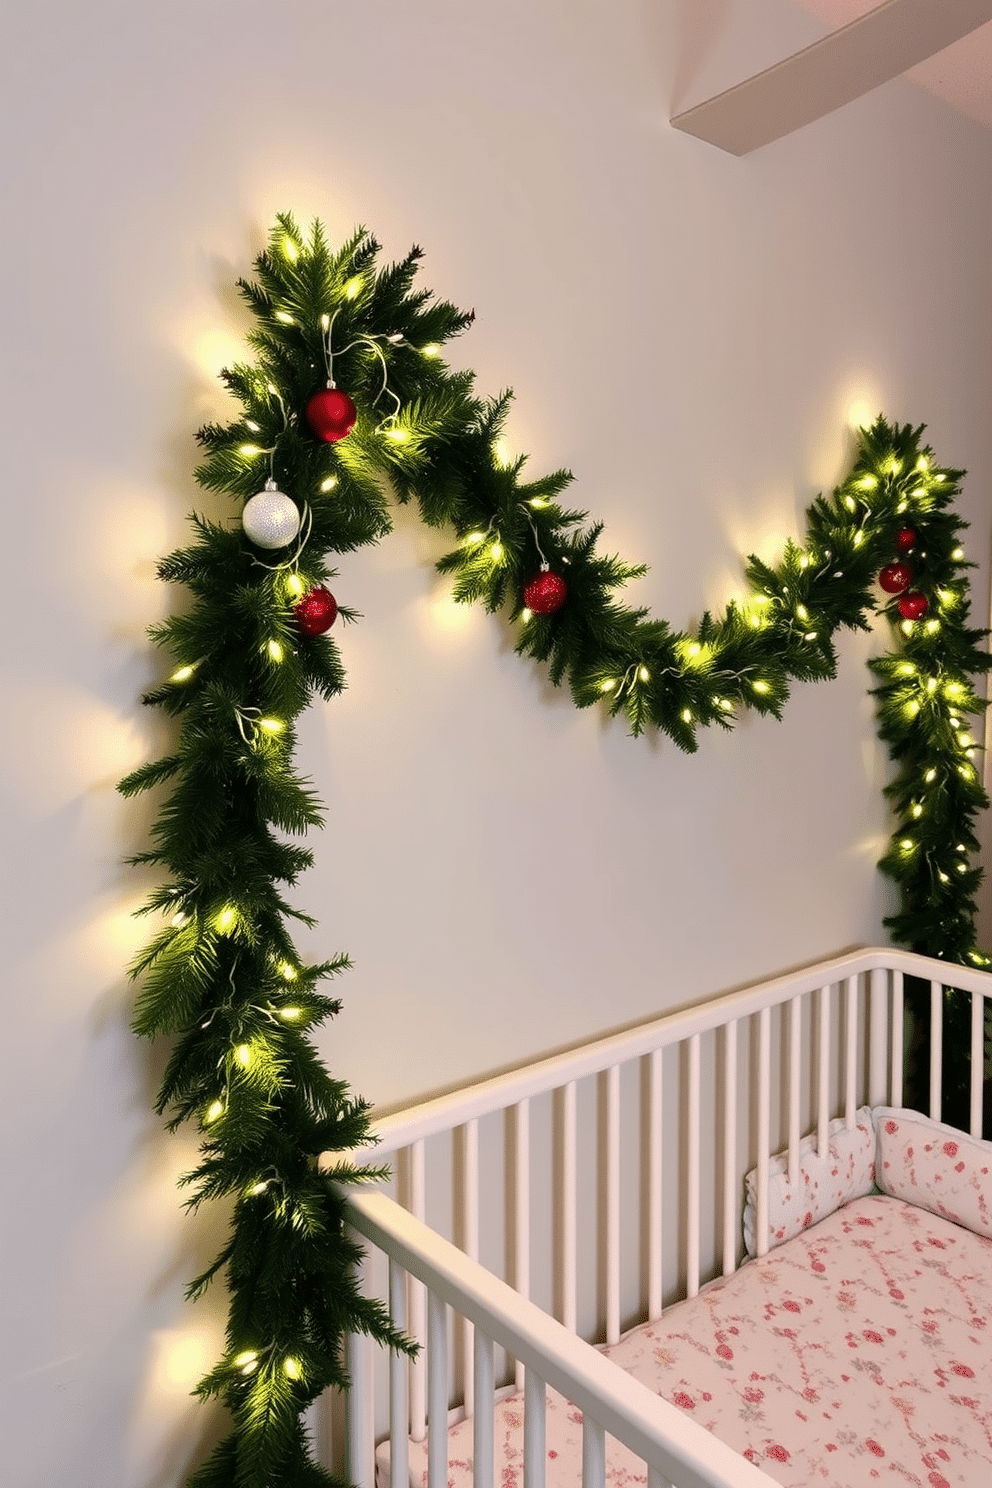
x=223, y=977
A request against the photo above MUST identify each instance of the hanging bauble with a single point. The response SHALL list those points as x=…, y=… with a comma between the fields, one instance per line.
x=316, y=611
x=895, y=578
x=913, y=606
x=545, y=593
x=331, y=414
x=271, y=519
x=906, y=539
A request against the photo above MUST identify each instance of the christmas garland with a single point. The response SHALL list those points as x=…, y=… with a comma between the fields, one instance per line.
x=348, y=395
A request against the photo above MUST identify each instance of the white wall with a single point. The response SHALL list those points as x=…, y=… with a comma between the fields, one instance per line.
x=687, y=331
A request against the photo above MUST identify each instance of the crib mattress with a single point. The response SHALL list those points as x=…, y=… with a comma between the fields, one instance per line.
x=855, y=1355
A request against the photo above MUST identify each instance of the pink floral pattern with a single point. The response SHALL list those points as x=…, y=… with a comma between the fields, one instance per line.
x=943, y=1169
x=845, y=1172
x=854, y=1356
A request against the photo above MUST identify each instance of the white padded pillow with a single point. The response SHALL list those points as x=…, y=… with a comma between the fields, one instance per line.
x=935, y=1167
x=846, y=1172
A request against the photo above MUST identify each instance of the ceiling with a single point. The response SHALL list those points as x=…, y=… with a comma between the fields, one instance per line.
x=961, y=74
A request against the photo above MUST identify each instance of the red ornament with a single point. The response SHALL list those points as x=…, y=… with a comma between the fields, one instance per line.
x=545, y=593
x=316, y=611
x=913, y=606
x=895, y=577
x=331, y=414
x=906, y=539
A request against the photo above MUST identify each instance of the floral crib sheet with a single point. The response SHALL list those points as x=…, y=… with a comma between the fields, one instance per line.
x=853, y=1356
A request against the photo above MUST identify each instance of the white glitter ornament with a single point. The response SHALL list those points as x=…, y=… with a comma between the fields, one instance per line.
x=271, y=519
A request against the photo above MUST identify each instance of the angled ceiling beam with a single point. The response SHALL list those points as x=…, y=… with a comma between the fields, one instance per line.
x=843, y=66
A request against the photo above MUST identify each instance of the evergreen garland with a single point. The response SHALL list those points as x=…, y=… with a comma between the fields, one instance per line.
x=223, y=976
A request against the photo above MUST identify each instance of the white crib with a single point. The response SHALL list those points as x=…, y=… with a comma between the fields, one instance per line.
x=552, y=1207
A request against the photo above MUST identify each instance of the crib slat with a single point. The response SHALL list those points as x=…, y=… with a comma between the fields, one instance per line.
x=482, y=1423
x=850, y=1050
x=878, y=1036
x=692, y=1165
x=418, y=1301
x=569, y=1220
x=437, y=1392
x=399, y=1476
x=521, y=1207
x=360, y=1410
x=613, y=1204
x=470, y=1226
x=730, y=1217
x=795, y=1075
x=535, y=1429
x=898, y=1011
x=764, y=1126
x=823, y=1077
x=593, y=1454
x=657, y=1479
x=977, y=1061
x=936, y=1046
x=655, y=1241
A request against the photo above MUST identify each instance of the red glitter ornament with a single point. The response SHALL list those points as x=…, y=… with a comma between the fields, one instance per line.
x=913, y=606
x=906, y=539
x=545, y=593
x=896, y=577
x=316, y=611
x=331, y=414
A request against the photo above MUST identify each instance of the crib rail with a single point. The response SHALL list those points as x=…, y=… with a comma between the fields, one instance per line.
x=613, y=1184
